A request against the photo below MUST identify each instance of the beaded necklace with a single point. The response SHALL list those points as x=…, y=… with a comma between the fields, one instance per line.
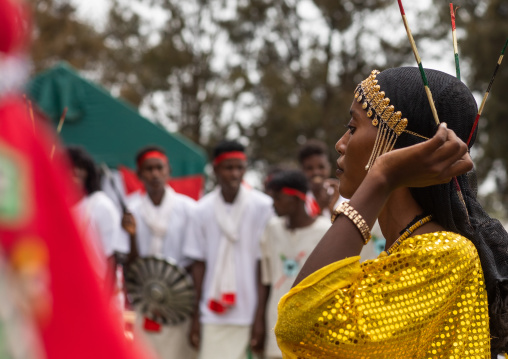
x=407, y=233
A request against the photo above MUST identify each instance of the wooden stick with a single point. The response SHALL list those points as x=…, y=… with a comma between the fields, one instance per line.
x=61, y=122
x=30, y=112
x=486, y=95
x=419, y=62
x=426, y=84
x=59, y=129
x=454, y=37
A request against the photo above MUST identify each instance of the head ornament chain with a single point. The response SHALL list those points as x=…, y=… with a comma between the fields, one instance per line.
x=389, y=122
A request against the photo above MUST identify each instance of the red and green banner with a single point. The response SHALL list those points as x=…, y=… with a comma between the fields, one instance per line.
x=52, y=262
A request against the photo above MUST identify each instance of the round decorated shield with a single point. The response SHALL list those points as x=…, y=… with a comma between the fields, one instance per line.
x=160, y=290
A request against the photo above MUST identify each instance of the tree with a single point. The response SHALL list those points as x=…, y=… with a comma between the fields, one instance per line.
x=58, y=35
x=271, y=73
x=302, y=79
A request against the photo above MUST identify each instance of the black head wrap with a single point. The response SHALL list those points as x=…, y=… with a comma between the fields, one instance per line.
x=456, y=106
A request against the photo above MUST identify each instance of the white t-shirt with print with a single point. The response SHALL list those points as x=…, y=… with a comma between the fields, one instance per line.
x=284, y=251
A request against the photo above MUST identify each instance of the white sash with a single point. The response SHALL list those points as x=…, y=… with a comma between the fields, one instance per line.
x=223, y=284
x=157, y=219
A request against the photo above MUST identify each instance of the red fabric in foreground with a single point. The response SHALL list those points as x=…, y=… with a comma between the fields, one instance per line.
x=14, y=26
x=79, y=322
x=191, y=186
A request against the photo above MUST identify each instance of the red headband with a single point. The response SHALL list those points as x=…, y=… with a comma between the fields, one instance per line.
x=152, y=154
x=229, y=155
x=294, y=192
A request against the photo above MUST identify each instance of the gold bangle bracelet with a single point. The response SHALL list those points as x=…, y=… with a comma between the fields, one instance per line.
x=355, y=217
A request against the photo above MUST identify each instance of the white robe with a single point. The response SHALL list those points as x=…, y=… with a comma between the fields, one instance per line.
x=161, y=231
x=204, y=243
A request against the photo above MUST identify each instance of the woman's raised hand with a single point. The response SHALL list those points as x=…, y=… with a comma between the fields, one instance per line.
x=432, y=162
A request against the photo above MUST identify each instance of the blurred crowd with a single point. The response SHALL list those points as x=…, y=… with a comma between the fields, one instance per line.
x=242, y=247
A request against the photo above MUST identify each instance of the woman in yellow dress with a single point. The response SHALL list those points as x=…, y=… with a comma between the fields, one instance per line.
x=439, y=289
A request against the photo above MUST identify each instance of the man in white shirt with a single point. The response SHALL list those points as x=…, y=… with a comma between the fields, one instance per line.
x=225, y=247
x=157, y=225
x=286, y=244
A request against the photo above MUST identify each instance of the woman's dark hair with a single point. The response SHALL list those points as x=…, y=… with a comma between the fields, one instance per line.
x=227, y=146
x=81, y=159
x=288, y=178
x=456, y=106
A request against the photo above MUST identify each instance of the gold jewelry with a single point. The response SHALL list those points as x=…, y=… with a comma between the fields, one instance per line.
x=391, y=124
x=407, y=233
x=416, y=134
x=351, y=213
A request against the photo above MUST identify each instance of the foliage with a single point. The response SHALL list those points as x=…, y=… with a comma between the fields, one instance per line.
x=58, y=34
x=250, y=69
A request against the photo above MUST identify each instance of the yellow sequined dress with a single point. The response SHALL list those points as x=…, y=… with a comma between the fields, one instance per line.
x=425, y=300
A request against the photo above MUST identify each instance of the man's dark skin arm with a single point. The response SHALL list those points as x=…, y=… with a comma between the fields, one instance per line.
x=258, y=334
x=198, y=273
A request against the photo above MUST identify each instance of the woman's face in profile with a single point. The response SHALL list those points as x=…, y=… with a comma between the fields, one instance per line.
x=354, y=149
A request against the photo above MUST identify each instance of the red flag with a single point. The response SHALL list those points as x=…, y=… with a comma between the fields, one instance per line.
x=188, y=185
x=52, y=264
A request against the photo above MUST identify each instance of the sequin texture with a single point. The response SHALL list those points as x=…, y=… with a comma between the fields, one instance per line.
x=425, y=300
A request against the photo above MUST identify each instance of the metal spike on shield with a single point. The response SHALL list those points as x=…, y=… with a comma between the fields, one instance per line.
x=161, y=290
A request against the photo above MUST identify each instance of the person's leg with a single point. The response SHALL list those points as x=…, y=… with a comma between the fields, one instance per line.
x=224, y=341
x=171, y=342
x=174, y=343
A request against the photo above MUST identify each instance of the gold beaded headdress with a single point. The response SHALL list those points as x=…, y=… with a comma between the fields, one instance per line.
x=390, y=122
